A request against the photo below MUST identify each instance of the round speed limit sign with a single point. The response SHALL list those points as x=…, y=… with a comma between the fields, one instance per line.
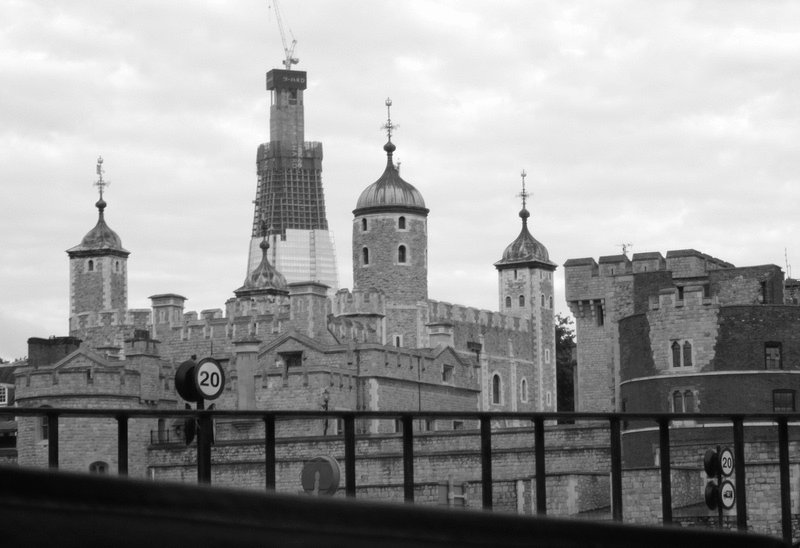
x=209, y=378
x=726, y=462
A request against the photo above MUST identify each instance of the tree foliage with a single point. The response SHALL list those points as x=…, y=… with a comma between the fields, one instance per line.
x=565, y=363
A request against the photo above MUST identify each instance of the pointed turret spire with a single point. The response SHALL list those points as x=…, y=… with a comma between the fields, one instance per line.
x=525, y=249
x=101, y=238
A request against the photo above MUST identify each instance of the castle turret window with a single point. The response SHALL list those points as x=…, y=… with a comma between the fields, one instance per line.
x=522, y=300
x=508, y=302
x=98, y=467
x=401, y=254
x=523, y=390
x=783, y=401
x=365, y=255
x=772, y=355
x=687, y=354
x=364, y=224
x=90, y=266
x=401, y=223
x=676, y=354
x=496, y=389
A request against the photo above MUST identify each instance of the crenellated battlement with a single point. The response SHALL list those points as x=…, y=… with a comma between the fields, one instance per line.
x=687, y=297
x=359, y=302
x=137, y=318
x=446, y=312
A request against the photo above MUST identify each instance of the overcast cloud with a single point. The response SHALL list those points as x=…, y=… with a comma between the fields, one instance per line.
x=666, y=125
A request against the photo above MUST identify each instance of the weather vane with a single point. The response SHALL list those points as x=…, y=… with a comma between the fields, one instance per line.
x=389, y=126
x=101, y=184
x=524, y=194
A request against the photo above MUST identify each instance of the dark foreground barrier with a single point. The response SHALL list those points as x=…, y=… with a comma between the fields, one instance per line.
x=57, y=509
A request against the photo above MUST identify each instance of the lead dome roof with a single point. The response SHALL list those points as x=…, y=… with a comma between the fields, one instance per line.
x=390, y=192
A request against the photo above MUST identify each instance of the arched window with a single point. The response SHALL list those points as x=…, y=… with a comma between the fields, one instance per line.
x=90, y=266
x=496, y=389
x=364, y=224
x=401, y=254
x=116, y=265
x=688, y=401
x=44, y=426
x=401, y=223
x=508, y=302
x=687, y=354
x=677, y=402
x=523, y=390
x=551, y=301
x=365, y=255
x=522, y=300
x=98, y=467
x=676, y=354
x=542, y=299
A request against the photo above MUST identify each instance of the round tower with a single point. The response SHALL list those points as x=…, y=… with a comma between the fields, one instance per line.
x=390, y=250
x=98, y=269
x=525, y=276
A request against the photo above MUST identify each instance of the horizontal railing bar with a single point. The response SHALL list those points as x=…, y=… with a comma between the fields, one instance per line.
x=111, y=413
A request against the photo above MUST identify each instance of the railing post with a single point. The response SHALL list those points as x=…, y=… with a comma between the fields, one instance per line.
x=269, y=452
x=204, y=449
x=786, y=494
x=738, y=455
x=122, y=445
x=52, y=439
x=486, y=462
x=408, y=458
x=616, y=469
x=541, y=488
x=350, y=455
x=666, y=476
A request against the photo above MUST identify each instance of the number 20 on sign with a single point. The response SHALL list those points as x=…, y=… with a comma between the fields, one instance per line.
x=210, y=378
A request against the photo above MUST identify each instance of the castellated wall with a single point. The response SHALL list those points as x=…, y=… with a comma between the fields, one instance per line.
x=109, y=328
x=577, y=466
x=85, y=380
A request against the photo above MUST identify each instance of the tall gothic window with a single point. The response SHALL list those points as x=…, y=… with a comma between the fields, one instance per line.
x=687, y=354
x=496, y=389
x=676, y=354
x=401, y=254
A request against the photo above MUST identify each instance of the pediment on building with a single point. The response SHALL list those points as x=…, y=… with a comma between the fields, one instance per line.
x=293, y=338
x=448, y=353
x=81, y=358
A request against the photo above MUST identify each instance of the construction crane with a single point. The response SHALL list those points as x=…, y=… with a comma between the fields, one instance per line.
x=288, y=50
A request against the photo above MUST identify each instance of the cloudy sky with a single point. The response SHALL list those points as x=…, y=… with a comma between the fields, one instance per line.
x=665, y=125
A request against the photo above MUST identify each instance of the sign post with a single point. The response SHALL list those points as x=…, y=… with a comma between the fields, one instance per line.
x=198, y=382
x=720, y=493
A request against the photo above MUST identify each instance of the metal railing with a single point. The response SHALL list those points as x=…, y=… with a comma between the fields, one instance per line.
x=484, y=419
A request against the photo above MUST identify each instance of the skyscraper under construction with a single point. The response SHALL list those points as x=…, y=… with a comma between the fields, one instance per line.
x=289, y=203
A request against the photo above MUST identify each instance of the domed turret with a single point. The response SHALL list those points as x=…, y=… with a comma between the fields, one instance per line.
x=265, y=279
x=98, y=268
x=101, y=239
x=390, y=249
x=390, y=192
x=526, y=248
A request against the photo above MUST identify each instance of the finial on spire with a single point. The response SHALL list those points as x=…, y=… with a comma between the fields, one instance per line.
x=101, y=184
x=524, y=194
x=389, y=126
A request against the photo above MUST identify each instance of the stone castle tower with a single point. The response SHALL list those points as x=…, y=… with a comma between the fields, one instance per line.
x=289, y=196
x=390, y=251
x=525, y=283
x=98, y=278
